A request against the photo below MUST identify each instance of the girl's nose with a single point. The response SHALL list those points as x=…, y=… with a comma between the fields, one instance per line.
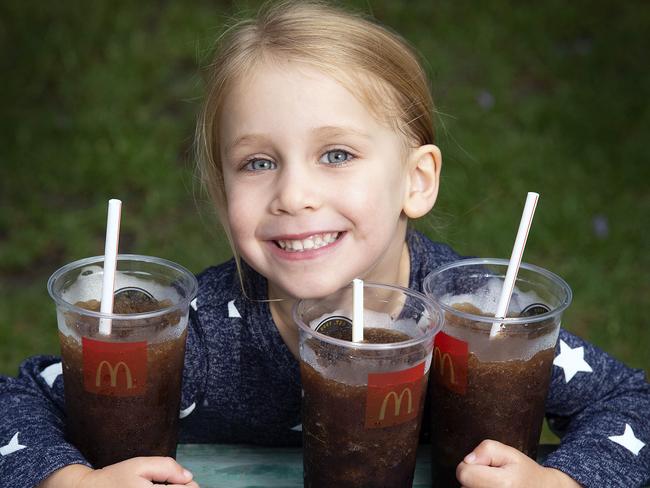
x=295, y=190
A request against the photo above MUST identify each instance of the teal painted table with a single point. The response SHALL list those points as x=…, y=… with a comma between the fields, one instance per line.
x=233, y=466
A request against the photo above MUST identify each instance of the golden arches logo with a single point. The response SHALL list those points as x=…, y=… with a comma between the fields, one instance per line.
x=441, y=359
x=398, y=403
x=113, y=371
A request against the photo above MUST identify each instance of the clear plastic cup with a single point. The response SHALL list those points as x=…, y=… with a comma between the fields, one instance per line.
x=122, y=391
x=485, y=387
x=363, y=401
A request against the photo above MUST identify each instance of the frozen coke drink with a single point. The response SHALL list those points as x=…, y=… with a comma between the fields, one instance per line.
x=122, y=390
x=363, y=401
x=483, y=386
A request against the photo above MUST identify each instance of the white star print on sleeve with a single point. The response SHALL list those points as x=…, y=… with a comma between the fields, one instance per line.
x=232, y=310
x=602, y=417
x=193, y=304
x=186, y=411
x=628, y=440
x=50, y=373
x=571, y=361
x=12, y=446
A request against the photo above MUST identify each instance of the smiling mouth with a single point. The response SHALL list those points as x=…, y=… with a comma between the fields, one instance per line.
x=312, y=242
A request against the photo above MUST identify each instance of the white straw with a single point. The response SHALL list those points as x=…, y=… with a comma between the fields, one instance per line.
x=110, y=263
x=515, y=260
x=357, y=310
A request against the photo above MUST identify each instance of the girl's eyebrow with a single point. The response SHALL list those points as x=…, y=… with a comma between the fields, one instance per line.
x=323, y=131
x=246, y=139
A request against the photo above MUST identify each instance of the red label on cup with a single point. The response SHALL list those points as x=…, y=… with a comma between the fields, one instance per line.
x=450, y=357
x=114, y=368
x=393, y=398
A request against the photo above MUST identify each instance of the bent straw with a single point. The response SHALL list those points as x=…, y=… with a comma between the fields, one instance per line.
x=110, y=263
x=357, y=310
x=515, y=261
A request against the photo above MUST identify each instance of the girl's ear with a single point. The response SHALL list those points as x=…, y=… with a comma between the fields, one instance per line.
x=423, y=177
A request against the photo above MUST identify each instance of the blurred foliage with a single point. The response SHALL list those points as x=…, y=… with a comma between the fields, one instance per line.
x=98, y=100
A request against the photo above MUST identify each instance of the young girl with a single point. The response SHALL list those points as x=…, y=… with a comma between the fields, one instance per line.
x=316, y=145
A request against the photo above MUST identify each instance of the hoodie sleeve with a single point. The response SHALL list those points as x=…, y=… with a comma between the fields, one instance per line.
x=32, y=442
x=601, y=410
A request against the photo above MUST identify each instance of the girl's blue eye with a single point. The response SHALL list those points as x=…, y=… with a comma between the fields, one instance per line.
x=335, y=156
x=259, y=164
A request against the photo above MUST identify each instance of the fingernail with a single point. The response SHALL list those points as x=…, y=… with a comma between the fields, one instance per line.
x=470, y=458
x=187, y=474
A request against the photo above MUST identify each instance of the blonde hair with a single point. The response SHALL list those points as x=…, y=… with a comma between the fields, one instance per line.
x=377, y=65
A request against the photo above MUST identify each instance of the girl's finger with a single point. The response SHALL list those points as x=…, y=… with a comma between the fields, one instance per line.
x=162, y=469
x=492, y=453
x=477, y=476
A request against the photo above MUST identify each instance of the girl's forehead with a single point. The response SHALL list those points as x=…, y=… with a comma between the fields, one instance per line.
x=286, y=75
x=290, y=93
x=276, y=88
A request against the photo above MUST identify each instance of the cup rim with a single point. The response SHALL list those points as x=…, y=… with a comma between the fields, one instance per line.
x=430, y=306
x=500, y=262
x=60, y=302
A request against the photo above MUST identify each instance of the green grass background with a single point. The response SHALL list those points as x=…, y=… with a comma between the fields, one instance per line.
x=98, y=100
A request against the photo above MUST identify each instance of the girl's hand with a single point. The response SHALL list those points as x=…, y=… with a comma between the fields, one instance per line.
x=493, y=464
x=140, y=472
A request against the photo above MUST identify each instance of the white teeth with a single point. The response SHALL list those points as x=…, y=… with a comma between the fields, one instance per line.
x=312, y=242
x=307, y=244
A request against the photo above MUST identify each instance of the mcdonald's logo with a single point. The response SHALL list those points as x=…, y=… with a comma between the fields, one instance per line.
x=394, y=397
x=450, y=356
x=397, y=402
x=114, y=368
x=112, y=371
x=442, y=362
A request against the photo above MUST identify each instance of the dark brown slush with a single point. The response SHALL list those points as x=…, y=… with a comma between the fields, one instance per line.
x=490, y=377
x=340, y=451
x=504, y=401
x=109, y=429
